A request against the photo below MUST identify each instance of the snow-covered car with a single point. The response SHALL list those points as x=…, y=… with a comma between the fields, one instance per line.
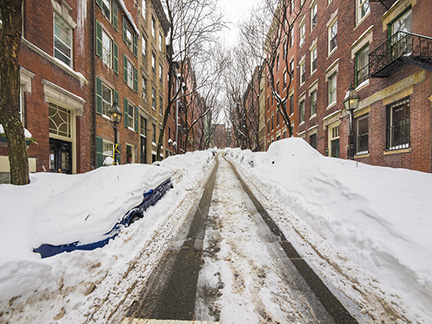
x=83, y=211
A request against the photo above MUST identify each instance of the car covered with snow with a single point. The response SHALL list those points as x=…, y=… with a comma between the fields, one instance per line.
x=84, y=211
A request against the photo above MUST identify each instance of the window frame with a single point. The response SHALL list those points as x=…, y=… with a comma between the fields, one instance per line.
x=130, y=76
x=314, y=15
x=332, y=36
x=332, y=91
x=68, y=46
x=358, y=137
x=110, y=62
x=104, y=101
x=359, y=69
x=390, y=125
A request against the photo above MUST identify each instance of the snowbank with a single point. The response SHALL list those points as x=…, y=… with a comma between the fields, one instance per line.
x=378, y=218
x=59, y=208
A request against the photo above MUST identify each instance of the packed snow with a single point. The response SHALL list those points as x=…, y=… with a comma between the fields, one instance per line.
x=371, y=223
x=58, y=209
x=364, y=229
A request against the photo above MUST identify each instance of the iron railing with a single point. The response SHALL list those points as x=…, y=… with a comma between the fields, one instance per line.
x=400, y=47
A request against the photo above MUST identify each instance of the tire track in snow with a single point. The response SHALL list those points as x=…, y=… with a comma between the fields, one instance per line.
x=246, y=277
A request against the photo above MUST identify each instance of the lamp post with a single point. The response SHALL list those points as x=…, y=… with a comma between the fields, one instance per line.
x=351, y=101
x=115, y=114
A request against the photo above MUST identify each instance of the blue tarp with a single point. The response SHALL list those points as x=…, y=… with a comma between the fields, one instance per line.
x=151, y=197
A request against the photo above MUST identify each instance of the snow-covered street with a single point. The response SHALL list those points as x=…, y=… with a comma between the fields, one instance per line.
x=371, y=247
x=246, y=277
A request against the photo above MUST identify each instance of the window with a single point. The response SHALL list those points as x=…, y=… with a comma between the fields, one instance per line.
x=285, y=80
x=143, y=126
x=154, y=133
x=160, y=106
x=314, y=14
x=106, y=49
x=332, y=84
x=268, y=103
x=144, y=88
x=62, y=41
x=403, y=23
x=332, y=38
x=107, y=149
x=144, y=8
x=292, y=67
x=144, y=48
x=129, y=73
x=314, y=60
x=363, y=9
x=107, y=95
x=302, y=111
x=272, y=121
x=130, y=118
x=302, y=33
x=154, y=98
x=398, y=125
x=291, y=99
x=361, y=134
x=291, y=37
x=277, y=117
x=277, y=62
x=160, y=74
x=153, y=28
x=106, y=8
x=277, y=87
x=302, y=73
x=362, y=65
x=154, y=63
x=60, y=121
x=313, y=108
x=160, y=42
x=129, y=37
x=268, y=126
x=312, y=140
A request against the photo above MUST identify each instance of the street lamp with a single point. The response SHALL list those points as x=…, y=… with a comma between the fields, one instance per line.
x=115, y=114
x=351, y=101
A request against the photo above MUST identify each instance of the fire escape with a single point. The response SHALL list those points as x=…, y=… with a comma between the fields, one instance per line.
x=401, y=48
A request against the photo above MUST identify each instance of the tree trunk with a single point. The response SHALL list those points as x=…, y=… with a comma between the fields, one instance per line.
x=10, y=90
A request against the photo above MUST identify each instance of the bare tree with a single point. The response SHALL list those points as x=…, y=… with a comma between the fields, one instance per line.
x=242, y=95
x=194, y=24
x=272, y=25
x=10, y=44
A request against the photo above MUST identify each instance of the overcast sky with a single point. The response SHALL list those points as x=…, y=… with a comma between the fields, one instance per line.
x=235, y=11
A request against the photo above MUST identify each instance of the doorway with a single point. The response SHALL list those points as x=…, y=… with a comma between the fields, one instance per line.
x=60, y=158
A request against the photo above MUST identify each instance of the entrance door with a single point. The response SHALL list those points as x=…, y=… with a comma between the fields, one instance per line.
x=60, y=156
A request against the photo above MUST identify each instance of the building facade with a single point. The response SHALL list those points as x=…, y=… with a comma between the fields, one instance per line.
x=55, y=77
x=77, y=60
x=382, y=48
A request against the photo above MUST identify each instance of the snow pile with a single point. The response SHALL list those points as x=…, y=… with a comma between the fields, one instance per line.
x=27, y=133
x=378, y=218
x=59, y=208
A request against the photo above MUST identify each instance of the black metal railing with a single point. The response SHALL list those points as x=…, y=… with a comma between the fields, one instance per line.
x=400, y=47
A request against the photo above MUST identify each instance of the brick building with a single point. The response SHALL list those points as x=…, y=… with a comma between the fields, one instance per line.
x=220, y=136
x=56, y=105
x=153, y=75
x=78, y=59
x=382, y=48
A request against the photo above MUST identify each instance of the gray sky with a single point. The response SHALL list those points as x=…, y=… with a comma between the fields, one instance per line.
x=235, y=11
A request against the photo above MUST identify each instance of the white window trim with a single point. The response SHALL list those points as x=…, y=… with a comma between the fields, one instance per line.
x=359, y=19
x=330, y=23
x=71, y=65
x=302, y=98
x=334, y=68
